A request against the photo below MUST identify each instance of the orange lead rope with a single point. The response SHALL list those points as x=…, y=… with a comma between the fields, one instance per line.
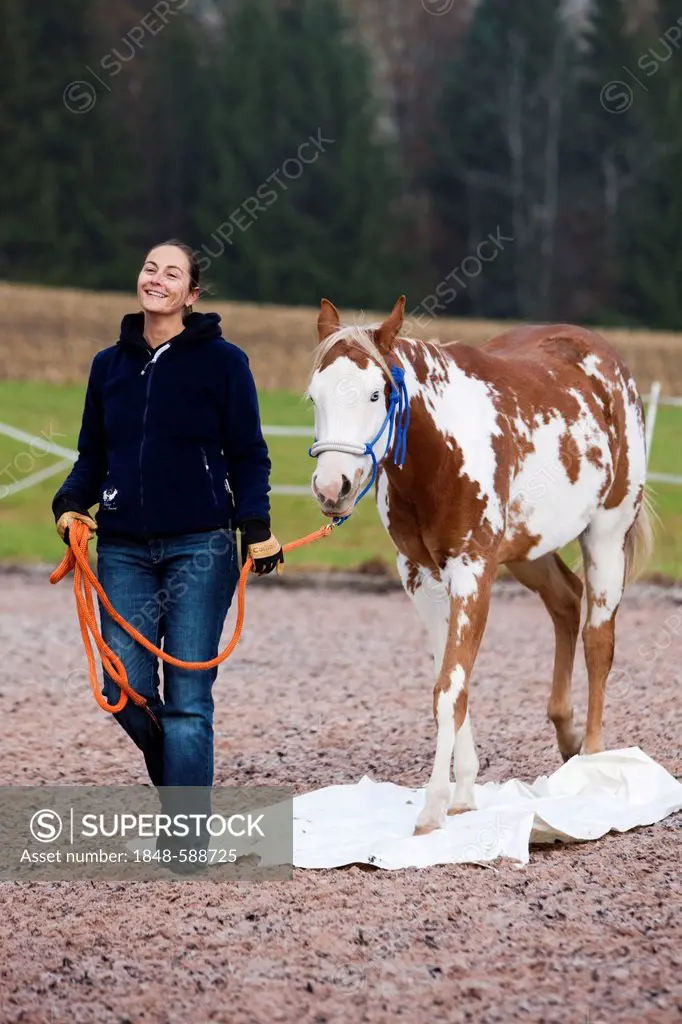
x=76, y=558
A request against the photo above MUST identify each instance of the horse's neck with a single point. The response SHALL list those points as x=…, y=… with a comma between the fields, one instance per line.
x=456, y=396
x=435, y=364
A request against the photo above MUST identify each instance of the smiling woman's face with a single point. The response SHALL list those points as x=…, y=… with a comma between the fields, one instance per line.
x=163, y=285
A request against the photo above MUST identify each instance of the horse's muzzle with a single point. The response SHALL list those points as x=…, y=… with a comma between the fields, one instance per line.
x=333, y=495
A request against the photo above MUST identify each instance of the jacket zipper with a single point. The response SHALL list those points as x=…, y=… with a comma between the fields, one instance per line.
x=144, y=427
x=210, y=476
x=149, y=365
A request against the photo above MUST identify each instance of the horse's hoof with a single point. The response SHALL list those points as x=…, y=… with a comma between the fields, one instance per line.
x=571, y=749
x=569, y=737
x=592, y=748
x=423, y=830
x=460, y=808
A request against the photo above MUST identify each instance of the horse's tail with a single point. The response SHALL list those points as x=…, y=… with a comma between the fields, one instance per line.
x=639, y=543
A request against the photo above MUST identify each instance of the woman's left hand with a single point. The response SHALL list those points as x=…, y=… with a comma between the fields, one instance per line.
x=262, y=547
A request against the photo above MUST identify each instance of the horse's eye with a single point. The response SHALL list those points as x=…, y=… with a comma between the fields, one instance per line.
x=374, y=396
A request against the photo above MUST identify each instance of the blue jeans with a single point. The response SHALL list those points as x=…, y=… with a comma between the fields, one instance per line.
x=178, y=590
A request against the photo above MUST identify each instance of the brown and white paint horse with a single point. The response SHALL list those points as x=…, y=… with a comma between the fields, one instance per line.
x=513, y=450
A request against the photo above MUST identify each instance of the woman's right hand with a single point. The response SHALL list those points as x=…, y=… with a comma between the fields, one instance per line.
x=67, y=519
x=259, y=544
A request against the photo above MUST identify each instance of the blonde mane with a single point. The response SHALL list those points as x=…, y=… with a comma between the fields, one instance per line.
x=361, y=337
x=352, y=335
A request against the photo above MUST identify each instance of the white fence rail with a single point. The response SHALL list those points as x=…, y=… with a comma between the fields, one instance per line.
x=653, y=400
x=68, y=455
x=652, y=410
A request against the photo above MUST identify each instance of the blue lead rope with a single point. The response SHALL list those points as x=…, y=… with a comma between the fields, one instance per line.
x=397, y=420
x=403, y=416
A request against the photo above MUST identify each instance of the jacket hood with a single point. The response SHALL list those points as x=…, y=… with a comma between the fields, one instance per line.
x=197, y=327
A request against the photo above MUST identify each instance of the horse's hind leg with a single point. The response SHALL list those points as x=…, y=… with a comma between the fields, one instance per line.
x=561, y=591
x=603, y=547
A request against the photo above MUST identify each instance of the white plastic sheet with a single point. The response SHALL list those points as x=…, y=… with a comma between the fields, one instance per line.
x=372, y=822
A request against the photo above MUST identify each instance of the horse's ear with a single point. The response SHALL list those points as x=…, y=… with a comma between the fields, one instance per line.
x=391, y=327
x=328, y=320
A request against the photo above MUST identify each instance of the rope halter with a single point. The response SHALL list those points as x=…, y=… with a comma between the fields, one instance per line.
x=397, y=420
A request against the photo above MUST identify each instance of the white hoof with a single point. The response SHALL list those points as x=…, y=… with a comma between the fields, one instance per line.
x=433, y=813
x=463, y=799
x=460, y=808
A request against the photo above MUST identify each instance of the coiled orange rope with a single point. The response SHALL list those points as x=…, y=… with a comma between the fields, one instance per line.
x=76, y=558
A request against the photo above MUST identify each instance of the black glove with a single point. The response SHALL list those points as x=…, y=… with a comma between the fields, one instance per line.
x=262, y=546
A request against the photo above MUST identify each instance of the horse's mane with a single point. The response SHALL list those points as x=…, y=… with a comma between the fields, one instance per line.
x=355, y=335
x=361, y=337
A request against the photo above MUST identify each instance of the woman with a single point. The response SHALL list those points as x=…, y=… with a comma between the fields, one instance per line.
x=171, y=448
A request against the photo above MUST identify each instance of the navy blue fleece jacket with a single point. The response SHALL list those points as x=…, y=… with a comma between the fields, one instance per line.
x=171, y=440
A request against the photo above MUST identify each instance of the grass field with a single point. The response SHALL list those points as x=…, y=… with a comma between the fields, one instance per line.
x=27, y=530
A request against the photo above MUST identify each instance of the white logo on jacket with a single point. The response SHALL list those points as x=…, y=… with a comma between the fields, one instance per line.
x=108, y=497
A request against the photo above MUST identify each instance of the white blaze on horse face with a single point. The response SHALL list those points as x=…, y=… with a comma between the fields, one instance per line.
x=464, y=412
x=345, y=413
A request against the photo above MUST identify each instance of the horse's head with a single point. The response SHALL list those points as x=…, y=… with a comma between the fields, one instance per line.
x=350, y=387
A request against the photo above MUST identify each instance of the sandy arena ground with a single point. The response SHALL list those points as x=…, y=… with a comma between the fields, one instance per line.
x=329, y=685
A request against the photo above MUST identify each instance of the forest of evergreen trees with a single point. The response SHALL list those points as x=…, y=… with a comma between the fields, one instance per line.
x=355, y=148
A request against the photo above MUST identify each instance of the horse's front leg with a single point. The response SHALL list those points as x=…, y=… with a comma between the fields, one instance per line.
x=469, y=580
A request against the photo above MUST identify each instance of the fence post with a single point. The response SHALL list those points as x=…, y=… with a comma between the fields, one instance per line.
x=652, y=409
